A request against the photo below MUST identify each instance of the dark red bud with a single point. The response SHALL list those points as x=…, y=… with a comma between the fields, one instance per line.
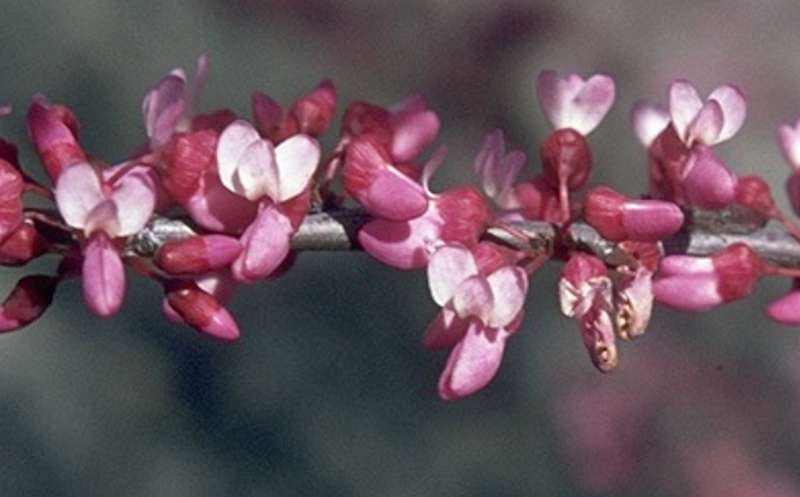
x=21, y=246
x=362, y=118
x=11, y=187
x=202, y=311
x=465, y=214
x=603, y=210
x=198, y=255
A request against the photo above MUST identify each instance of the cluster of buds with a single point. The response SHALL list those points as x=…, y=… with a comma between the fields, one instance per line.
x=245, y=188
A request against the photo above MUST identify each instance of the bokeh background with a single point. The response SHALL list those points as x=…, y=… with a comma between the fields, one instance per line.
x=329, y=392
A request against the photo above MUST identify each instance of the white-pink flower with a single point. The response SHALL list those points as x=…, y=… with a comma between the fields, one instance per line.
x=105, y=208
x=711, y=122
x=569, y=101
x=789, y=141
x=478, y=315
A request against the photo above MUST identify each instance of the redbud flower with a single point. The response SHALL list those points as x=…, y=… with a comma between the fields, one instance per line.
x=709, y=123
x=28, y=300
x=104, y=210
x=455, y=216
x=255, y=169
x=54, y=132
x=22, y=245
x=701, y=283
x=569, y=101
x=617, y=217
x=489, y=303
x=167, y=107
x=202, y=311
x=310, y=114
x=497, y=169
x=755, y=194
x=707, y=181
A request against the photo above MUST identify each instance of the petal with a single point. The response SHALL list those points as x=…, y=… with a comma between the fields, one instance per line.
x=103, y=276
x=707, y=181
x=555, y=94
x=265, y=244
x=786, y=310
x=447, y=269
x=473, y=297
x=412, y=133
x=734, y=110
x=430, y=168
x=104, y=217
x=685, y=265
x=232, y=144
x=393, y=195
x=591, y=104
x=651, y=220
x=706, y=126
x=473, y=362
x=688, y=293
x=789, y=141
x=216, y=208
x=402, y=244
x=135, y=197
x=78, y=191
x=163, y=107
x=684, y=104
x=649, y=120
x=446, y=330
x=256, y=171
x=509, y=286
x=267, y=113
x=297, y=158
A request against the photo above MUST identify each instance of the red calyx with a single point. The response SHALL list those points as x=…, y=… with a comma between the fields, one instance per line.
x=566, y=159
x=738, y=268
x=667, y=157
x=755, y=194
x=465, y=215
x=603, y=210
x=187, y=157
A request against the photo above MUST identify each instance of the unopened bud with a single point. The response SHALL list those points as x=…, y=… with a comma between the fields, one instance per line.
x=202, y=311
x=315, y=110
x=197, y=255
x=27, y=301
x=617, y=217
x=21, y=246
x=11, y=187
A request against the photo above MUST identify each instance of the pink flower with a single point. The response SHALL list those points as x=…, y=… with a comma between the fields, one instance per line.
x=569, y=101
x=275, y=177
x=709, y=123
x=167, y=107
x=702, y=283
x=497, y=170
x=104, y=209
x=617, y=217
x=481, y=308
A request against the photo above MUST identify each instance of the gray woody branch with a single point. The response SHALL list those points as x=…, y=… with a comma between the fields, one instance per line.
x=704, y=233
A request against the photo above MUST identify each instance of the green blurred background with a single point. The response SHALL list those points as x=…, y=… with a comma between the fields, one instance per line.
x=329, y=392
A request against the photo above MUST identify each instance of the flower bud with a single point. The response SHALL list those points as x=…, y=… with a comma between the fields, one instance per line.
x=22, y=245
x=755, y=194
x=202, y=311
x=314, y=111
x=27, y=301
x=198, y=254
x=707, y=181
x=53, y=130
x=187, y=157
x=617, y=217
x=11, y=187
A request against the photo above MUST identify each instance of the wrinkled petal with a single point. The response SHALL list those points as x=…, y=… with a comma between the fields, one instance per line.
x=706, y=126
x=447, y=269
x=684, y=104
x=473, y=297
x=103, y=276
x=296, y=158
x=265, y=244
x=446, y=330
x=78, y=191
x=134, y=195
x=509, y=286
x=649, y=120
x=473, y=363
x=734, y=110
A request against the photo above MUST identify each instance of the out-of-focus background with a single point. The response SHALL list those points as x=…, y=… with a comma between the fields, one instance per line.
x=329, y=392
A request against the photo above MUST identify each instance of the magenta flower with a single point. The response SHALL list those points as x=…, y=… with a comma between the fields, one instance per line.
x=498, y=170
x=167, y=107
x=105, y=208
x=310, y=114
x=54, y=132
x=711, y=122
x=701, y=283
x=482, y=311
x=253, y=168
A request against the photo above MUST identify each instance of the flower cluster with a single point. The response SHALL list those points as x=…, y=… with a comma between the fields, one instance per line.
x=246, y=186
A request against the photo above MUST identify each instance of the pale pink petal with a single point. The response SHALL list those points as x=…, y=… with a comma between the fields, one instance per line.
x=489, y=159
x=393, y=195
x=402, y=244
x=410, y=105
x=509, y=286
x=135, y=197
x=104, y=217
x=103, y=276
x=232, y=143
x=219, y=285
x=649, y=120
x=688, y=293
x=789, y=141
x=297, y=158
x=651, y=220
x=257, y=172
x=265, y=245
x=734, y=110
x=430, y=168
x=473, y=297
x=163, y=106
x=473, y=363
x=706, y=126
x=216, y=208
x=786, y=310
x=446, y=330
x=684, y=104
x=676, y=265
x=555, y=95
x=412, y=133
x=78, y=191
x=707, y=181
x=447, y=269
x=570, y=102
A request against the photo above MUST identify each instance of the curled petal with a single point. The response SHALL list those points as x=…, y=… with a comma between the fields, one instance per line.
x=684, y=105
x=265, y=244
x=649, y=120
x=509, y=286
x=103, y=276
x=473, y=362
x=447, y=269
x=706, y=126
x=296, y=158
x=78, y=191
x=734, y=110
x=163, y=107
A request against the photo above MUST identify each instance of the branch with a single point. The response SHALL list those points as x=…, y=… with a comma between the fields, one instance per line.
x=703, y=234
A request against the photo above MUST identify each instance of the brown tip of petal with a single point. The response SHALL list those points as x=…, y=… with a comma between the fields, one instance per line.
x=605, y=357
